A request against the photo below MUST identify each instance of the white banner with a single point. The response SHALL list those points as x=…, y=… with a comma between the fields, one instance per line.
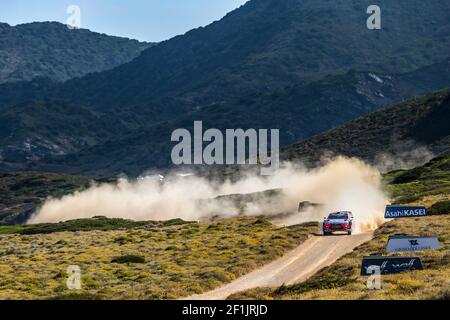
x=410, y=243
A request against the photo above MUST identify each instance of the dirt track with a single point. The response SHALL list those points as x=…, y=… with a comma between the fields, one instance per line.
x=296, y=266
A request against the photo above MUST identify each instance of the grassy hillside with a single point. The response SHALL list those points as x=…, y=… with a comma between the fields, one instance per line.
x=426, y=185
x=155, y=261
x=95, y=223
x=394, y=130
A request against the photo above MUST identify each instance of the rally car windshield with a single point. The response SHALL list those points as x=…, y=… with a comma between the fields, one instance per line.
x=337, y=216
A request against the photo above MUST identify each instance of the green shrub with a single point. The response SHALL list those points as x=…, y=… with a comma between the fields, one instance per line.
x=441, y=207
x=408, y=199
x=130, y=258
x=218, y=275
x=408, y=176
x=98, y=223
x=175, y=222
x=262, y=222
x=123, y=239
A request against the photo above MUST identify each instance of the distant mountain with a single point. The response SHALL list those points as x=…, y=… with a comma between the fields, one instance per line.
x=396, y=131
x=301, y=112
x=267, y=45
x=51, y=50
x=31, y=131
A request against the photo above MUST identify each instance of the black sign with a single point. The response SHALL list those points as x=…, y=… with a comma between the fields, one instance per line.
x=404, y=212
x=390, y=265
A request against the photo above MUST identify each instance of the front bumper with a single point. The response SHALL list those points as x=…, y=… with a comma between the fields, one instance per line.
x=337, y=227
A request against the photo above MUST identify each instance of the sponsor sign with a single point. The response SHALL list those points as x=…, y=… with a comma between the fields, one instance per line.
x=390, y=265
x=411, y=243
x=404, y=212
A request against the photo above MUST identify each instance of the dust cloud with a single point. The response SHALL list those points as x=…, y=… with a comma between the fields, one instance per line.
x=339, y=184
x=405, y=155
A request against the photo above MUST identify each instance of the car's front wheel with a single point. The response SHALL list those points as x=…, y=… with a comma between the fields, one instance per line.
x=349, y=233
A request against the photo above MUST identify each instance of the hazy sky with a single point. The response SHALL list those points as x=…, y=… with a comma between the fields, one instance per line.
x=148, y=20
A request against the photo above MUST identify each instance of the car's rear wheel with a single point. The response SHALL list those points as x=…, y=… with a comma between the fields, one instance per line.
x=326, y=233
x=349, y=233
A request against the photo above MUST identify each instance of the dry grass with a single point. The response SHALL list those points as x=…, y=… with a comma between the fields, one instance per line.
x=179, y=260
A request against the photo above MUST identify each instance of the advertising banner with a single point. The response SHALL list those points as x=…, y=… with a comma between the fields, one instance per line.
x=411, y=243
x=390, y=265
x=404, y=212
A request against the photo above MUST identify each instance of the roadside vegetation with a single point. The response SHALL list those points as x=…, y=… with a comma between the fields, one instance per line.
x=425, y=185
x=95, y=223
x=341, y=280
x=154, y=261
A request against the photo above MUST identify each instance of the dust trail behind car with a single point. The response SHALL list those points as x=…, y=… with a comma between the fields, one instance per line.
x=339, y=184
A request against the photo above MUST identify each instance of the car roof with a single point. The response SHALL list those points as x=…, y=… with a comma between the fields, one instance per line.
x=341, y=212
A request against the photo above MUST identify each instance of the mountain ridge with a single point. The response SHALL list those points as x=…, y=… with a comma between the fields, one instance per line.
x=270, y=44
x=338, y=98
x=52, y=50
x=266, y=45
